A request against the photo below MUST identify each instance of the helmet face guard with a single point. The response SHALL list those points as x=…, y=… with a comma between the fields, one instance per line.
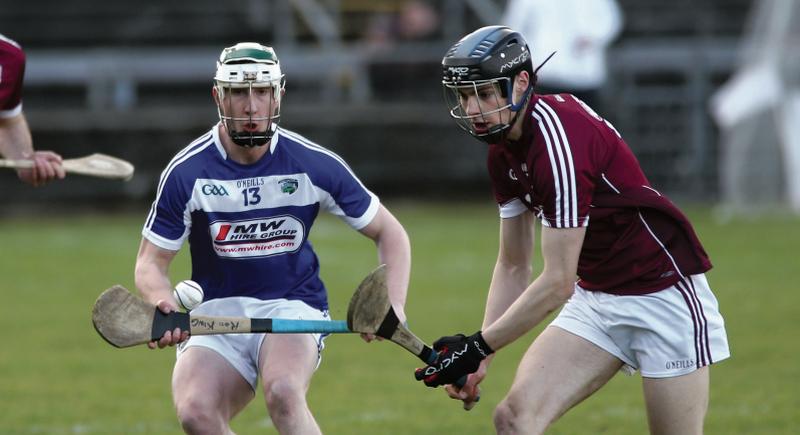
x=489, y=99
x=248, y=75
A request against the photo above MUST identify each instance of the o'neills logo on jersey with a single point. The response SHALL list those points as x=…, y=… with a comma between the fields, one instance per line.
x=257, y=237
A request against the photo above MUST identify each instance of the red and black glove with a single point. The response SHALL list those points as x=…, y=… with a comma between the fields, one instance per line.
x=458, y=356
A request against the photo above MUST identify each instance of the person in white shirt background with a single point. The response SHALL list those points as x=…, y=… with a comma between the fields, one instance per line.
x=579, y=31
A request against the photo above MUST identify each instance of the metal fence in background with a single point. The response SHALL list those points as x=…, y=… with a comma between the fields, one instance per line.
x=134, y=80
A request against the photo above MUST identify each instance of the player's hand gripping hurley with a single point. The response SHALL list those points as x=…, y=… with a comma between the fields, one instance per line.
x=94, y=165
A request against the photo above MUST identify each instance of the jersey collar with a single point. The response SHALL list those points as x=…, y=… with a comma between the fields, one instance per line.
x=218, y=141
x=273, y=143
x=528, y=123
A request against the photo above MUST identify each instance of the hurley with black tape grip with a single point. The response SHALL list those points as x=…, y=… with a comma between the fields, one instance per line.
x=458, y=356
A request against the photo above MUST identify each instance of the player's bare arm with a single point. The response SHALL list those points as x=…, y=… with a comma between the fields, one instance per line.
x=561, y=248
x=152, y=280
x=394, y=250
x=152, y=268
x=460, y=355
x=512, y=271
x=16, y=143
x=512, y=274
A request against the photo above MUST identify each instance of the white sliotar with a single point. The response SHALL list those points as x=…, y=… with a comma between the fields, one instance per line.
x=189, y=294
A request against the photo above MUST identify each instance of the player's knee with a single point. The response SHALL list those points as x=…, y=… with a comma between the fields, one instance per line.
x=198, y=417
x=506, y=417
x=512, y=417
x=284, y=397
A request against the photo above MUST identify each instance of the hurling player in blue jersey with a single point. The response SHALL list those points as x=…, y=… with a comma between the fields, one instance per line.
x=245, y=195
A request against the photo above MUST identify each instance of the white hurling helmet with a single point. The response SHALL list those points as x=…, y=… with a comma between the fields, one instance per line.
x=249, y=65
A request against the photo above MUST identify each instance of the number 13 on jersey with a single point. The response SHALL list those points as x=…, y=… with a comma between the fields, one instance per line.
x=251, y=195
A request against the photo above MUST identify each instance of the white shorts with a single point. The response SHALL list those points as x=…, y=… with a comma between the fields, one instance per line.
x=668, y=333
x=242, y=350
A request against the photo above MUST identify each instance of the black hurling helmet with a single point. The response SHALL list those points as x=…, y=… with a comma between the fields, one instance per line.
x=489, y=57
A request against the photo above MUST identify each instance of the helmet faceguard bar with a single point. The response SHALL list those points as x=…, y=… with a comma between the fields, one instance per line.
x=244, y=71
x=234, y=124
x=454, y=95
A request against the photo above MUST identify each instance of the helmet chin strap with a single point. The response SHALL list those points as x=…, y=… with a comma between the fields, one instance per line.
x=517, y=108
x=252, y=139
x=249, y=140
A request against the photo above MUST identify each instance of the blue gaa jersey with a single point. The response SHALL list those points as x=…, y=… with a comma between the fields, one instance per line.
x=248, y=225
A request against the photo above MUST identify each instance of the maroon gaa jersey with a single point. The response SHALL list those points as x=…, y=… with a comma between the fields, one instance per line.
x=12, y=70
x=571, y=168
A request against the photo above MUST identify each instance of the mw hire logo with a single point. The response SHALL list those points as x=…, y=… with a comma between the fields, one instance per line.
x=257, y=237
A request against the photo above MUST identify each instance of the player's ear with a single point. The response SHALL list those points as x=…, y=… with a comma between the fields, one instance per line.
x=215, y=94
x=521, y=82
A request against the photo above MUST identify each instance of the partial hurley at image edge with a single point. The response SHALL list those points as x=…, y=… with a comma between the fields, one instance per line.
x=94, y=165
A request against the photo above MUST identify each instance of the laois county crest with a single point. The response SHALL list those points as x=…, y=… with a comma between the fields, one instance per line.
x=288, y=185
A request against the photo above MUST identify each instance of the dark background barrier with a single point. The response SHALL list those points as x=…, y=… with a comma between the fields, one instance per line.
x=133, y=79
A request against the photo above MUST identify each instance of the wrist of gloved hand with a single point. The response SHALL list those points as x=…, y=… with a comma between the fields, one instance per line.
x=479, y=344
x=458, y=356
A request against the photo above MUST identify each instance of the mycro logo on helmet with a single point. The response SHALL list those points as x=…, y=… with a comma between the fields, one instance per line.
x=210, y=189
x=458, y=70
x=515, y=61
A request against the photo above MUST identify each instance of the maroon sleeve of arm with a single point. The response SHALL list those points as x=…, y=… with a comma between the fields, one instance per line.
x=12, y=73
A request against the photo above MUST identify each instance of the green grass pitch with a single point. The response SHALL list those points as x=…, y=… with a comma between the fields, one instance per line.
x=58, y=377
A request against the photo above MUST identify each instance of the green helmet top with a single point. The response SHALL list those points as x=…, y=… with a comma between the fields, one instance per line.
x=248, y=63
x=248, y=52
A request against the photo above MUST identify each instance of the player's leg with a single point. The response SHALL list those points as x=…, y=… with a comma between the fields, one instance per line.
x=558, y=371
x=684, y=331
x=677, y=405
x=287, y=363
x=207, y=391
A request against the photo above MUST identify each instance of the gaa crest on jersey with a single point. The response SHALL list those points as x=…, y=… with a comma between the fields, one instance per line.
x=214, y=189
x=257, y=237
x=288, y=185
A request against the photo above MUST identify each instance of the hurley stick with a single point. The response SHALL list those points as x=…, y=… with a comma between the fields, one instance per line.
x=124, y=320
x=94, y=165
x=370, y=311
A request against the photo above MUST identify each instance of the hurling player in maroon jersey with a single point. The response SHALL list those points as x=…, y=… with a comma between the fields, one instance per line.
x=620, y=260
x=15, y=137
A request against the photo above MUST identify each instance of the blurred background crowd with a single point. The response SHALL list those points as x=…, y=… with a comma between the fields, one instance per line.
x=706, y=92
